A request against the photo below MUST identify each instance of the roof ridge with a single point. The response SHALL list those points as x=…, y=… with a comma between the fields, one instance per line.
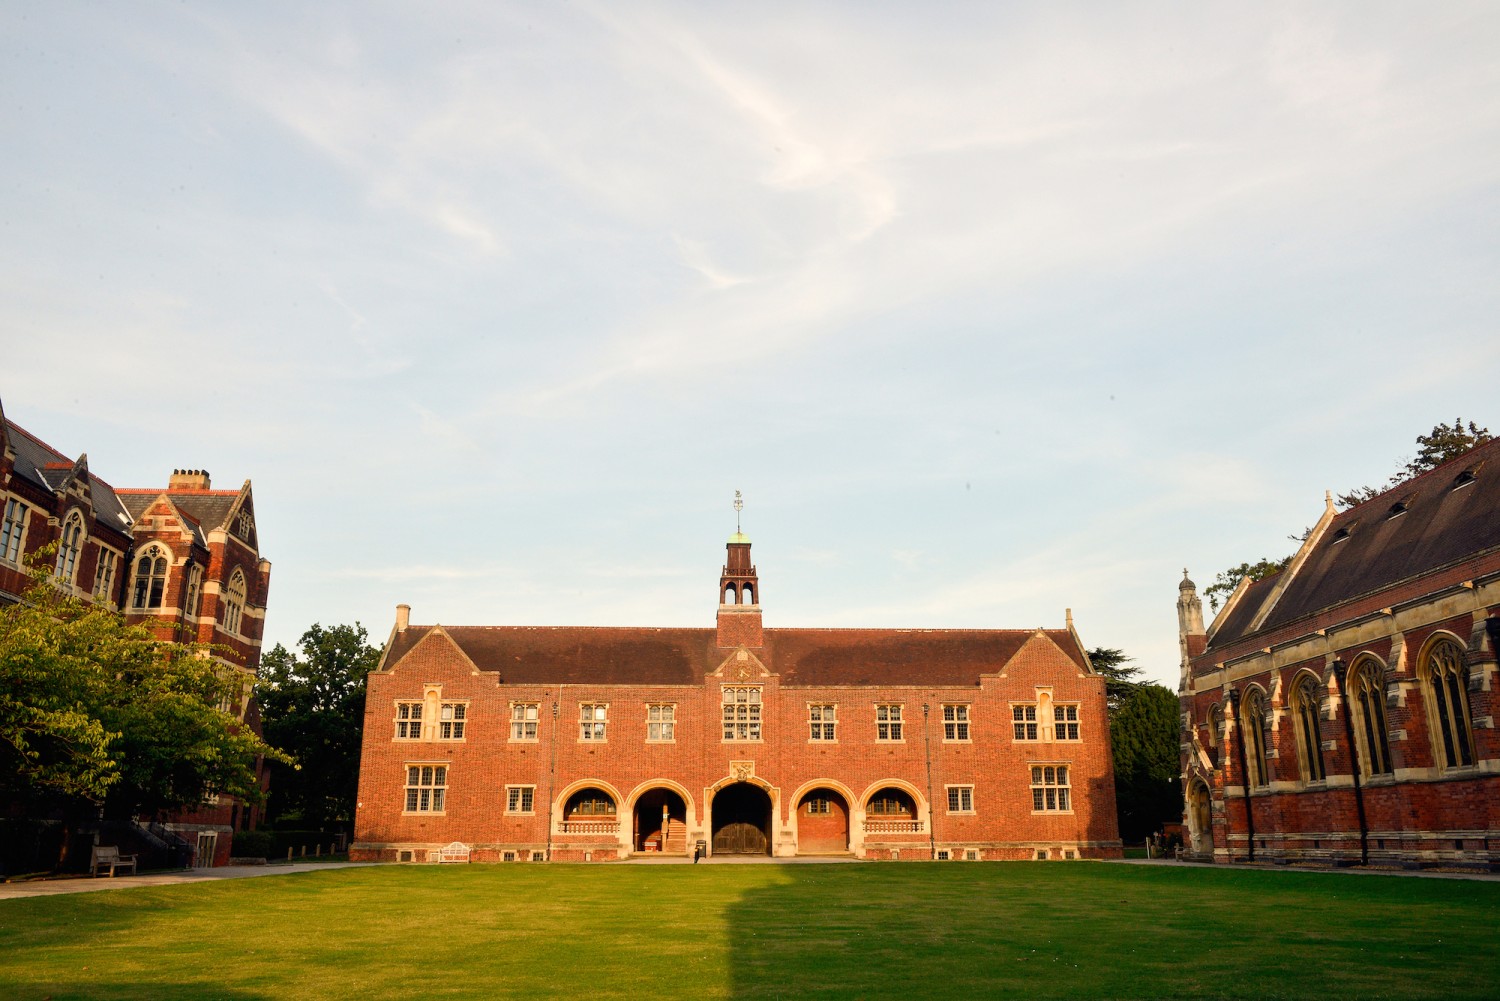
x=1410, y=483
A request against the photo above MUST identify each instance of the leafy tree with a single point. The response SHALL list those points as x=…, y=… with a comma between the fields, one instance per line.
x=313, y=705
x=1227, y=580
x=1144, y=737
x=1119, y=673
x=96, y=713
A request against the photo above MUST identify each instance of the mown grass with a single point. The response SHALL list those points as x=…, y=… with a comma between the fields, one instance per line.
x=909, y=930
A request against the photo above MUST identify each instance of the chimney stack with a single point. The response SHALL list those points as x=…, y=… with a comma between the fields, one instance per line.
x=188, y=479
x=403, y=617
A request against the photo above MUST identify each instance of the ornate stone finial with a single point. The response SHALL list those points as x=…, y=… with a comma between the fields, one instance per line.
x=739, y=503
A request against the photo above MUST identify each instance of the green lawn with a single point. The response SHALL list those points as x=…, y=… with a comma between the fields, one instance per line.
x=902, y=930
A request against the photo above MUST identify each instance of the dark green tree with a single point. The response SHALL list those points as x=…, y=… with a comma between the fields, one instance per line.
x=1145, y=736
x=313, y=705
x=1224, y=584
x=1119, y=673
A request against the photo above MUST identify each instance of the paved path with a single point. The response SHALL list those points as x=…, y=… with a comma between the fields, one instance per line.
x=87, y=884
x=1327, y=870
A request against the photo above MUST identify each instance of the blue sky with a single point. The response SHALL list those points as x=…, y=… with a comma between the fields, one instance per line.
x=990, y=310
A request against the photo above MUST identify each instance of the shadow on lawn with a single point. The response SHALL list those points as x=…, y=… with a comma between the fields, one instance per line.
x=83, y=988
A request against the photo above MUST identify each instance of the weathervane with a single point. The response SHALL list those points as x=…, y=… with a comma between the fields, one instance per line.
x=738, y=504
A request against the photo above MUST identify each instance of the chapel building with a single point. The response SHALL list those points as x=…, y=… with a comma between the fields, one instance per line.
x=518, y=743
x=1343, y=711
x=183, y=560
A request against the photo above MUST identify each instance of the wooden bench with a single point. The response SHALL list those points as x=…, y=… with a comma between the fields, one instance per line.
x=109, y=857
x=457, y=851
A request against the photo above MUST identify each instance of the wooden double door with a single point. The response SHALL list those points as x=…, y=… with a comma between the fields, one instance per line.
x=741, y=820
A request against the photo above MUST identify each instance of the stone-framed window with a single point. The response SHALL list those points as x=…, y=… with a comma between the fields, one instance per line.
x=150, y=587
x=104, y=573
x=1305, y=703
x=822, y=719
x=13, y=530
x=408, y=721
x=888, y=722
x=523, y=720
x=1050, y=789
x=1367, y=687
x=661, y=722
x=1023, y=722
x=426, y=788
x=956, y=722
x=960, y=799
x=234, y=602
x=1446, y=684
x=1065, y=721
x=742, y=712
x=194, y=590
x=520, y=799
x=452, y=718
x=69, y=545
x=593, y=721
x=1253, y=732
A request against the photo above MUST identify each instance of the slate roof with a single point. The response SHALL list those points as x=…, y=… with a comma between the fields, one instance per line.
x=48, y=468
x=1425, y=524
x=570, y=655
x=200, y=507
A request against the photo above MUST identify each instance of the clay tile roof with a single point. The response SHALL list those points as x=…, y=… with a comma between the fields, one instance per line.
x=541, y=655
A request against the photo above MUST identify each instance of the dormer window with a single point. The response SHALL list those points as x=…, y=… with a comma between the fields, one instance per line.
x=1341, y=535
x=1463, y=479
x=244, y=525
x=1397, y=509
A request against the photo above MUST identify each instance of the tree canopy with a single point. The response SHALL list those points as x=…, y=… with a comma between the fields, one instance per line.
x=313, y=705
x=1119, y=673
x=1145, y=734
x=94, y=710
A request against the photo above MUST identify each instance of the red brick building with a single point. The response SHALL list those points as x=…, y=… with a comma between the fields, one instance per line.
x=184, y=560
x=588, y=744
x=1350, y=699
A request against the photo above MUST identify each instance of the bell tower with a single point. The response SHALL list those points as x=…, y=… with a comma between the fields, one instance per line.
x=739, y=590
x=1191, y=637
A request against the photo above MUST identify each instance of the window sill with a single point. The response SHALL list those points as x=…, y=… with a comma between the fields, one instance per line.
x=529, y=813
x=524, y=740
x=424, y=813
x=1052, y=813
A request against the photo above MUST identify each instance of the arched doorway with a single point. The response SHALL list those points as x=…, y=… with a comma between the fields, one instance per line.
x=822, y=823
x=1200, y=818
x=741, y=820
x=660, y=822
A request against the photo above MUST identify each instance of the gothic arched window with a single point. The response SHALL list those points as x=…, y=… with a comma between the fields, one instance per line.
x=150, y=585
x=1305, y=702
x=1447, y=678
x=69, y=545
x=1253, y=720
x=234, y=602
x=1367, y=696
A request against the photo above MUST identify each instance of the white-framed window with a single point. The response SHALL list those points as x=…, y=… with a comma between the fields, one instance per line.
x=426, y=788
x=661, y=722
x=150, y=587
x=742, y=712
x=888, y=721
x=104, y=573
x=960, y=799
x=956, y=722
x=13, y=530
x=1050, y=791
x=819, y=805
x=69, y=545
x=944, y=855
x=593, y=721
x=451, y=719
x=523, y=720
x=520, y=799
x=1065, y=722
x=822, y=718
x=234, y=602
x=1023, y=721
x=194, y=589
x=408, y=721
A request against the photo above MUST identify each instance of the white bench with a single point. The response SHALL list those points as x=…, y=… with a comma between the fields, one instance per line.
x=455, y=852
x=109, y=857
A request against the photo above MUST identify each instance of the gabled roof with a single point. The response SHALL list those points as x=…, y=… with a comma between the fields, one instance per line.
x=46, y=467
x=1446, y=515
x=571, y=655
